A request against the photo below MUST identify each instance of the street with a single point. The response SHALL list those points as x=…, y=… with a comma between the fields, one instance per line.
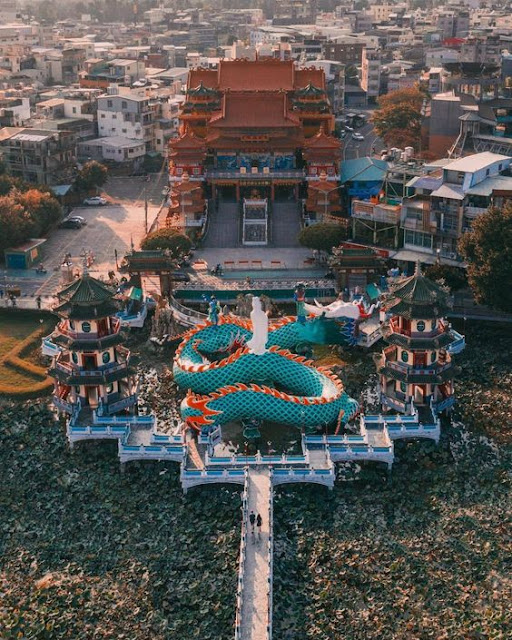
x=360, y=149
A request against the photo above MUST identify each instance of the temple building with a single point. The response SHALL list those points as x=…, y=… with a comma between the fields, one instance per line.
x=91, y=368
x=258, y=130
x=417, y=367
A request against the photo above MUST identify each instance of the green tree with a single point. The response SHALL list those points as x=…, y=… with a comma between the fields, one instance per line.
x=398, y=119
x=91, y=176
x=176, y=243
x=487, y=248
x=322, y=236
x=16, y=223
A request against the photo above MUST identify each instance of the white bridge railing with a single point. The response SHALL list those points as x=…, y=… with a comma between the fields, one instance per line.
x=270, y=562
x=255, y=460
x=241, y=564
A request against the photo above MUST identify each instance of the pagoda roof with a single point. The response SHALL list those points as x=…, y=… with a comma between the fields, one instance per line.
x=86, y=298
x=417, y=297
x=207, y=77
x=322, y=140
x=261, y=110
x=189, y=140
x=310, y=90
x=202, y=90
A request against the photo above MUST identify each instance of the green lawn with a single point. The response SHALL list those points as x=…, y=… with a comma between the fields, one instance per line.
x=14, y=327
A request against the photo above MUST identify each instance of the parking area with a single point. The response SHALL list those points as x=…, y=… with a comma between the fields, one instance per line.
x=109, y=229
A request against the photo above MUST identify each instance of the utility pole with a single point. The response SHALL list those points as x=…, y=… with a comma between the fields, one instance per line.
x=145, y=213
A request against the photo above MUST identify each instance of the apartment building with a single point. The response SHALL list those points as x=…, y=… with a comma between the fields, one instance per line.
x=370, y=73
x=127, y=114
x=453, y=23
x=37, y=155
x=443, y=207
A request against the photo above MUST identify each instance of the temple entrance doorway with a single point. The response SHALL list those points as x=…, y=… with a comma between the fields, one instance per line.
x=226, y=193
x=285, y=192
x=254, y=192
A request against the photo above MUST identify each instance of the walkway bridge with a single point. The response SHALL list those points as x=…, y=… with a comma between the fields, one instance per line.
x=139, y=439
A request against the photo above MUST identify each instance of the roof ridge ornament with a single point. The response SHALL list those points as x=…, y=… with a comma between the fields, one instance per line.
x=417, y=269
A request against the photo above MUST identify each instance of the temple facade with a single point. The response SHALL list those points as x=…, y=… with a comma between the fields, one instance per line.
x=258, y=129
x=91, y=368
x=416, y=368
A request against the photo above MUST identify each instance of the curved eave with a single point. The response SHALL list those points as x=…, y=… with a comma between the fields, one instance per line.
x=418, y=378
x=437, y=342
x=88, y=380
x=100, y=344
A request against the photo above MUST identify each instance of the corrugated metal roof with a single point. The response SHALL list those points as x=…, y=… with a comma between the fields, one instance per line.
x=451, y=191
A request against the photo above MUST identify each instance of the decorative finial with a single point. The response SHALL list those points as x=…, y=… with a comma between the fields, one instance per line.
x=85, y=267
x=132, y=246
x=417, y=270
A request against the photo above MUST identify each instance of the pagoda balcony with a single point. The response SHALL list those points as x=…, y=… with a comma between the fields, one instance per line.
x=412, y=369
x=255, y=172
x=63, y=405
x=393, y=327
x=115, y=325
x=114, y=406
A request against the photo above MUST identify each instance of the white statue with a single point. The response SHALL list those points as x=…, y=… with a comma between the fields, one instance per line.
x=259, y=321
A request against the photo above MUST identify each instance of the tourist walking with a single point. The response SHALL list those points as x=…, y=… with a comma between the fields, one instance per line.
x=38, y=302
x=258, y=525
x=252, y=520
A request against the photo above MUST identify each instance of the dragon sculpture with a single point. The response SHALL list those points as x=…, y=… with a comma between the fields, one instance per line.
x=239, y=368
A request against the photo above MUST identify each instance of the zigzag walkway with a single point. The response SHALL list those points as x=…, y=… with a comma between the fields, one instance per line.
x=256, y=577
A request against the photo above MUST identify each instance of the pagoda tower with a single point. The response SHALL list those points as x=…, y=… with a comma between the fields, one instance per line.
x=91, y=368
x=416, y=368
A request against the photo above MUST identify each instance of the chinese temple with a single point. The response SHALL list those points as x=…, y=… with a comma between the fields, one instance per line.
x=257, y=129
x=91, y=367
x=417, y=366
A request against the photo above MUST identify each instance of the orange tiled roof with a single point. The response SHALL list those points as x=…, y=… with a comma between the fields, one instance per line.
x=257, y=110
x=309, y=75
x=208, y=77
x=322, y=141
x=188, y=140
x=256, y=75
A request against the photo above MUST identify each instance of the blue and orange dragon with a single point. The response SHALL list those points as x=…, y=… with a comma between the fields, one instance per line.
x=226, y=382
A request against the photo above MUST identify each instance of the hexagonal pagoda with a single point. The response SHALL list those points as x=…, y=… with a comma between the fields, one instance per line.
x=416, y=368
x=91, y=368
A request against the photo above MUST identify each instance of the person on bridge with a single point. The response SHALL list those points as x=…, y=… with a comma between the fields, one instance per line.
x=259, y=522
x=252, y=520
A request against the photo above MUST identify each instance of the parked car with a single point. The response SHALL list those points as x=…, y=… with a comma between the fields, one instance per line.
x=70, y=223
x=180, y=276
x=357, y=136
x=347, y=128
x=95, y=201
x=80, y=219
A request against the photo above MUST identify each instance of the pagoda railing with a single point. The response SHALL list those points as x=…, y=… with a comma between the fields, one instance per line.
x=403, y=367
x=76, y=371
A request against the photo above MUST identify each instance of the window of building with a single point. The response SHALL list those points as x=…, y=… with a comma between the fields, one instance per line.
x=110, y=103
x=114, y=117
x=403, y=387
x=124, y=104
x=74, y=357
x=105, y=356
x=71, y=325
x=418, y=238
x=74, y=109
x=433, y=356
x=102, y=115
x=77, y=389
x=86, y=327
x=421, y=325
x=159, y=141
x=109, y=388
x=123, y=130
x=405, y=356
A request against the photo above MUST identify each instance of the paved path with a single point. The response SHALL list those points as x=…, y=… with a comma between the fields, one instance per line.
x=285, y=224
x=254, y=618
x=223, y=226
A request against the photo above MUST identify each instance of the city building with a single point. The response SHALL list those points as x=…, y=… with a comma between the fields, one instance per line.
x=442, y=207
x=370, y=73
x=127, y=114
x=38, y=156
